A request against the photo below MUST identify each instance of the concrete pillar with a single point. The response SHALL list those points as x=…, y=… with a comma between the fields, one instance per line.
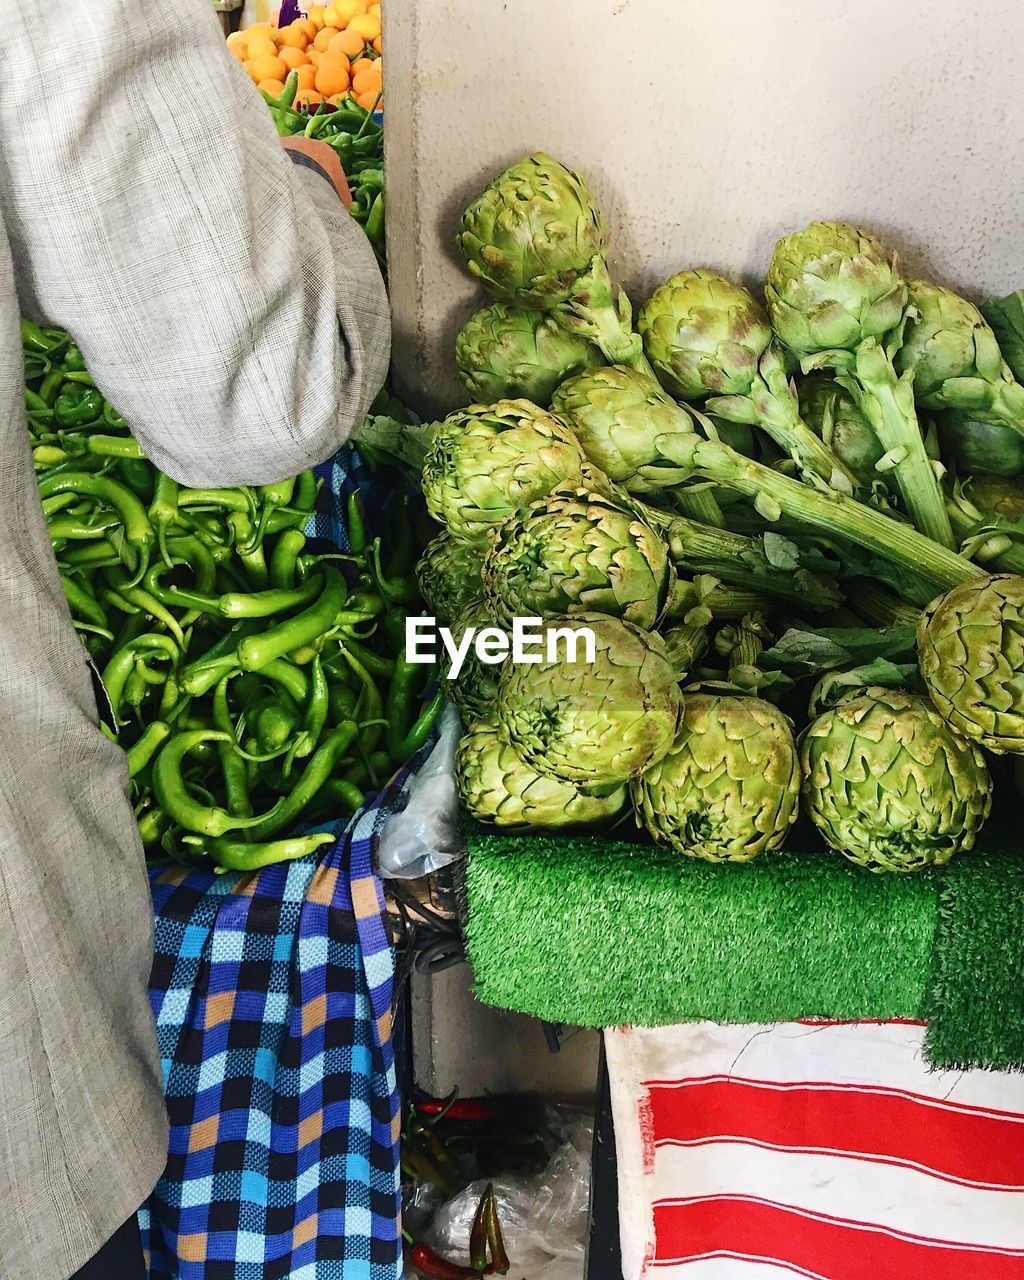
x=706, y=131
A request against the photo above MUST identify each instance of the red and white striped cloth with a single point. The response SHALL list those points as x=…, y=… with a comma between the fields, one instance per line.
x=823, y=1150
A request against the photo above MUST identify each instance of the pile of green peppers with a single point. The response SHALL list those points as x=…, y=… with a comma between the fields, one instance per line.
x=258, y=689
x=359, y=141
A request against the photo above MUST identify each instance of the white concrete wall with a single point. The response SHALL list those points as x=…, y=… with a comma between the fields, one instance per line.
x=707, y=129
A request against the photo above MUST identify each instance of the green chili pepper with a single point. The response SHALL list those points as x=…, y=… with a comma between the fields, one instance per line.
x=356, y=525
x=81, y=601
x=342, y=702
x=141, y=599
x=284, y=557
x=173, y=797
x=236, y=855
x=379, y=667
x=74, y=361
x=111, y=416
x=77, y=406
x=114, y=447
x=163, y=510
x=48, y=455
x=370, y=704
x=256, y=651
x=306, y=488
x=240, y=500
x=313, y=777
x=142, y=752
x=264, y=604
x=152, y=825
x=249, y=548
x=137, y=528
x=403, y=741
x=122, y=666
x=73, y=528
x=50, y=386
x=34, y=339
x=315, y=716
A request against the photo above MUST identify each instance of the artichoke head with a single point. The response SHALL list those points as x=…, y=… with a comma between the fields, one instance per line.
x=578, y=552
x=489, y=461
x=834, y=417
x=475, y=689
x=946, y=337
x=595, y=724
x=449, y=575
x=729, y=787
x=617, y=415
x=890, y=785
x=832, y=286
x=497, y=786
x=972, y=446
x=970, y=645
x=509, y=352
x=532, y=233
x=703, y=335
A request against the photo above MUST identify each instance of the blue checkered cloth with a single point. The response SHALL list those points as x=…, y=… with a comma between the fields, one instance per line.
x=272, y=994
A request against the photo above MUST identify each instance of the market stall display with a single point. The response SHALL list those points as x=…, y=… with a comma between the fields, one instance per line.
x=255, y=673
x=760, y=496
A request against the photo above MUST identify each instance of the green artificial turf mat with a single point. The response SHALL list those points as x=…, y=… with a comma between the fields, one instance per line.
x=596, y=933
x=600, y=932
x=975, y=1001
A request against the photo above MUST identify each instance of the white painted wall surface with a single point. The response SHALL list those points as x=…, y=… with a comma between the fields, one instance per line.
x=706, y=129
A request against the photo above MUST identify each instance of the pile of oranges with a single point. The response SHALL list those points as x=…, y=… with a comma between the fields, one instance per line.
x=334, y=50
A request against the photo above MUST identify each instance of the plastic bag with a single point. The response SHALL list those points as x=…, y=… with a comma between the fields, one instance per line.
x=423, y=835
x=544, y=1217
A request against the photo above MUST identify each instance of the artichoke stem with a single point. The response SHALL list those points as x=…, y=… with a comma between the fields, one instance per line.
x=887, y=401
x=833, y=512
x=880, y=607
x=699, y=504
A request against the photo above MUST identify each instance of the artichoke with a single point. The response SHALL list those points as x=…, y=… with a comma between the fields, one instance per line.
x=533, y=233
x=997, y=496
x=578, y=551
x=596, y=724
x=449, y=576
x=475, y=689
x=831, y=286
x=890, y=785
x=534, y=237
x=971, y=653
x=706, y=336
x=955, y=358
x=508, y=352
x=617, y=415
x=836, y=299
x=703, y=335
x=497, y=786
x=729, y=787
x=972, y=446
x=489, y=461
x=832, y=414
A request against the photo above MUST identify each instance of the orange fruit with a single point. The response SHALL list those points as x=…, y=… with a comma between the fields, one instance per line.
x=259, y=29
x=363, y=64
x=274, y=87
x=239, y=51
x=307, y=77
x=337, y=98
x=366, y=25
x=368, y=101
x=293, y=58
x=314, y=57
x=324, y=37
x=348, y=43
x=348, y=9
x=235, y=39
x=308, y=98
x=377, y=44
x=307, y=25
x=375, y=10
x=292, y=37
x=365, y=82
x=315, y=14
x=261, y=47
x=332, y=74
x=266, y=69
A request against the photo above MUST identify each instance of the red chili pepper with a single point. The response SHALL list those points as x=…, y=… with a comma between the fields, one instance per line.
x=473, y=1109
x=434, y=1267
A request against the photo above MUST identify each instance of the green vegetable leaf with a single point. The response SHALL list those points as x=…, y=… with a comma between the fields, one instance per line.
x=1006, y=316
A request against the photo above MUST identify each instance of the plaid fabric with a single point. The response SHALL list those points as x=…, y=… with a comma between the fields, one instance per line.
x=272, y=994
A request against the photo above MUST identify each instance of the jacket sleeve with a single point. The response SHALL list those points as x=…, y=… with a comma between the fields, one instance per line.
x=224, y=301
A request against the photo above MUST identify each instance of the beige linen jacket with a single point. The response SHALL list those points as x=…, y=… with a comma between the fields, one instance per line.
x=234, y=314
